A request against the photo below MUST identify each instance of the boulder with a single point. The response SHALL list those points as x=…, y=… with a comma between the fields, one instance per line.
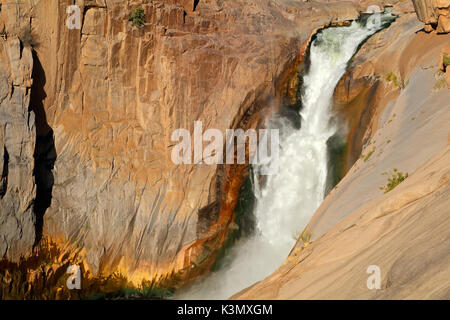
x=434, y=13
x=443, y=24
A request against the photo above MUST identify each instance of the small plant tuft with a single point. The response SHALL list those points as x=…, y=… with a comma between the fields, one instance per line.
x=137, y=17
x=305, y=236
x=397, y=178
x=446, y=60
x=399, y=83
x=392, y=77
x=440, y=80
x=367, y=157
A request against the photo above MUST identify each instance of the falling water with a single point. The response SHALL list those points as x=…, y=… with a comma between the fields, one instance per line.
x=287, y=200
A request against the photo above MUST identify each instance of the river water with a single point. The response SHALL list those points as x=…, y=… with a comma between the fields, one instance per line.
x=287, y=200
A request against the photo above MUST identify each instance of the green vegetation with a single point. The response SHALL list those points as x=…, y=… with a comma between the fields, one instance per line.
x=156, y=292
x=367, y=157
x=446, y=60
x=392, y=77
x=137, y=17
x=405, y=84
x=50, y=262
x=440, y=84
x=394, y=181
x=305, y=236
x=440, y=80
x=147, y=292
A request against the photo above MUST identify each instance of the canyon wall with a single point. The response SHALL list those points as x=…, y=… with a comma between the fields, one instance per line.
x=434, y=13
x=94, y=170
x=85, y=142
x=17, y=143
x=395, y=90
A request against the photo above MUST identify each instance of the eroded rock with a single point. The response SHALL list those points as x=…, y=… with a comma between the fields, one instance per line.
x=404, y=231
x=434, y=13
x=111, y=94
x=17, y=143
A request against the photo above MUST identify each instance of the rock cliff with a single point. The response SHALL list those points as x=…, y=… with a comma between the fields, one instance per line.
x=17, y=145
x=94, y=168
x=434, y=13
x=87, y=115
x=396, y=79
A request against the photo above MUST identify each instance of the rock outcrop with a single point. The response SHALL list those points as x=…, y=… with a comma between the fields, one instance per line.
x=86, y=121
x=444, y=63
x=434, y=13
x=107, y=97
x=17, y=145
x=396, y=79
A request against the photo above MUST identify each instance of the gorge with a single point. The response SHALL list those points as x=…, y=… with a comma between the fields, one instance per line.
x=85, y=146
x=287, y=200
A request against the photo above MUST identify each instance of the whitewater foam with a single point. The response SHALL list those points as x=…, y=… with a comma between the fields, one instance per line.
x=287, y=200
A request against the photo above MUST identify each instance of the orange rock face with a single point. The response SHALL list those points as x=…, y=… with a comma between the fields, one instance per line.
x=405, y=231
x=108, y=96
x=17, y=140
x=434, y=13
x=87, y=116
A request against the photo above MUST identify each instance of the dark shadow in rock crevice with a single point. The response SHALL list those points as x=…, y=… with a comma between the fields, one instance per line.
x=195, y=4
x=44, y=160
x=45, y=151
x=4, y=176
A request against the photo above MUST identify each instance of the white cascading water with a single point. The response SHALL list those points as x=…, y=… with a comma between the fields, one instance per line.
x=288, y=199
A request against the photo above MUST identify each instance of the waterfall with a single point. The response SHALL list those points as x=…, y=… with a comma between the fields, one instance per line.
x=287, y=200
